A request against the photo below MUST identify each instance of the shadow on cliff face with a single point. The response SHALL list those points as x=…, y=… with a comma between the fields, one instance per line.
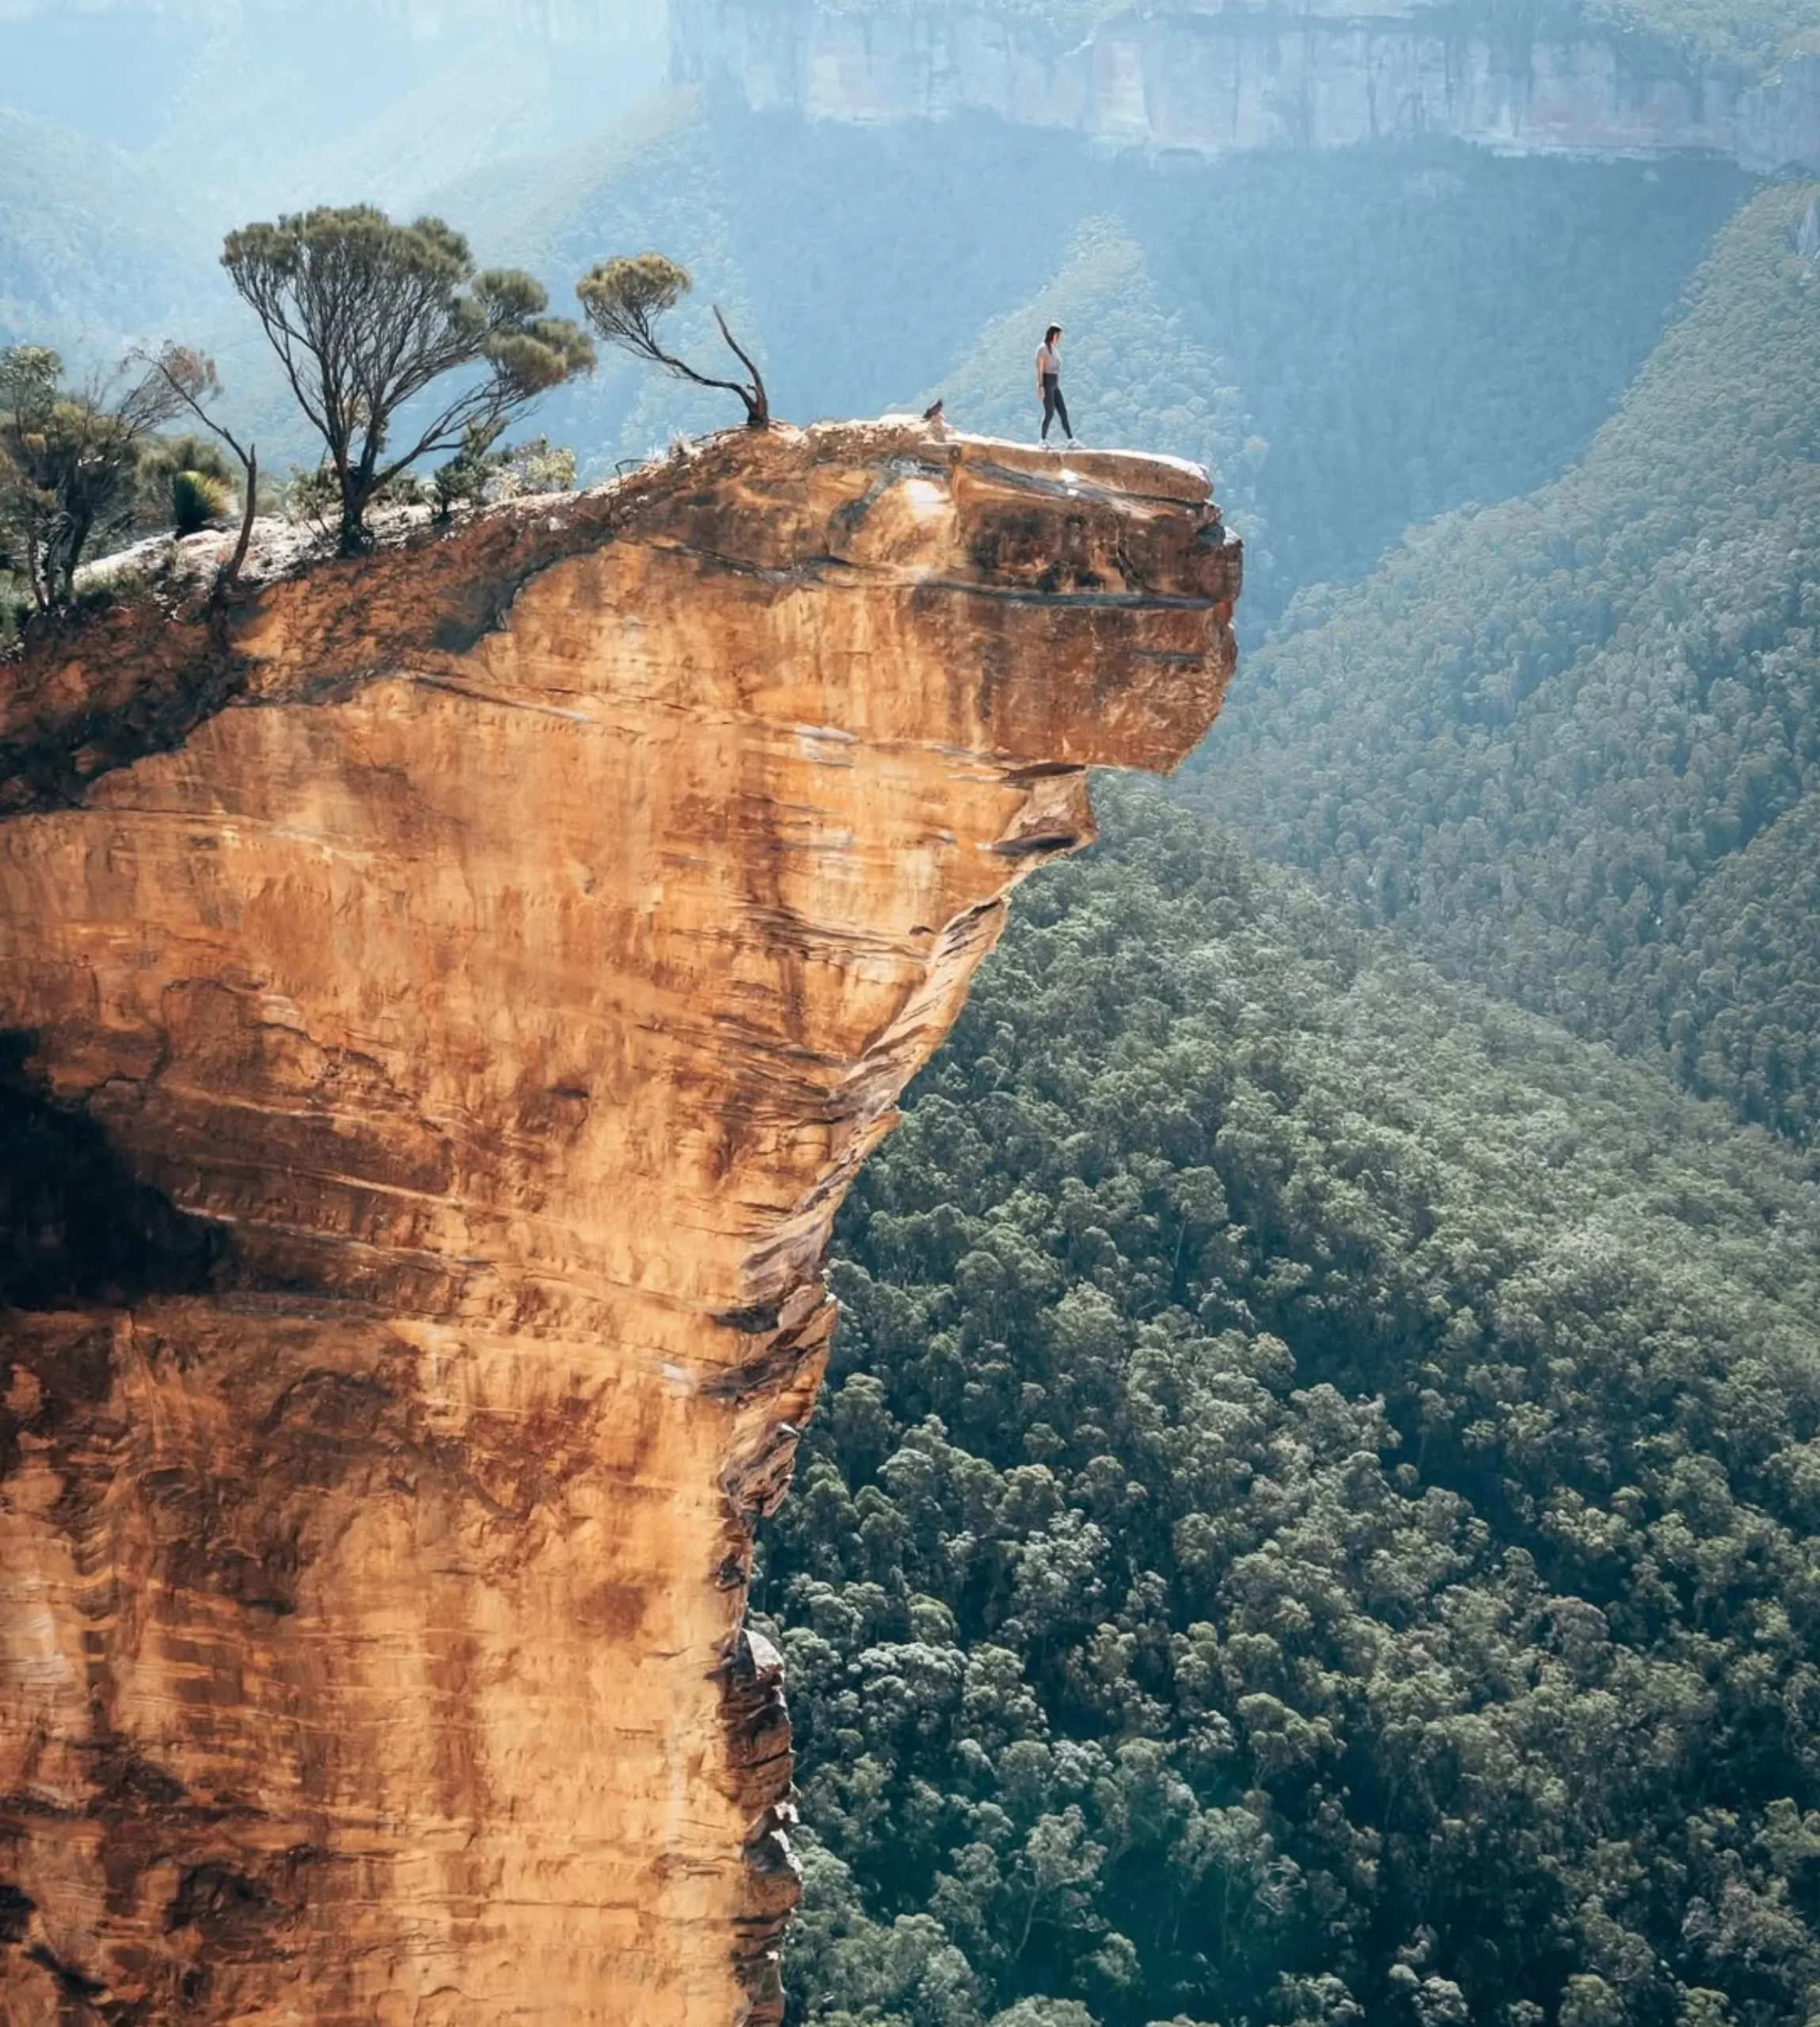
x=76, y=1224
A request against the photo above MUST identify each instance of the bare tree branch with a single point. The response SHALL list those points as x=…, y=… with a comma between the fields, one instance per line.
x=757, y=402
x=189, y=375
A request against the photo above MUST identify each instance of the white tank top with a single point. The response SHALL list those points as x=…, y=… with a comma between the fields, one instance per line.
x=1051, y=360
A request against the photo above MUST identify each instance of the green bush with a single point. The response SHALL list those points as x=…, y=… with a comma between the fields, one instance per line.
x=185, y=483
x=196, y=501
x=478, y=474
x=313, y=497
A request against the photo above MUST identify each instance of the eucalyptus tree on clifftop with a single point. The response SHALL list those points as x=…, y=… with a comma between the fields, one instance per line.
x=624, y=298
x=69, y=465
x=367, y=316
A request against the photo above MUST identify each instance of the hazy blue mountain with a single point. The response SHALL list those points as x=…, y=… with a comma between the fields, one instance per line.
x=133, y=136
x=93, y=241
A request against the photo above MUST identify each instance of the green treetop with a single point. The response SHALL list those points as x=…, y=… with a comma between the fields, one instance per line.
x=625, y=297
x=366, y=317
x=69, y=465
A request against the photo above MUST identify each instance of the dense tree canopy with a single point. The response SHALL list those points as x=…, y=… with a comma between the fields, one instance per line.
x=1752, y=36
x=1315, y=1515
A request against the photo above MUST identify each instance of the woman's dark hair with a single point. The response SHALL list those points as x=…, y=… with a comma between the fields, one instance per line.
x=1052, y=334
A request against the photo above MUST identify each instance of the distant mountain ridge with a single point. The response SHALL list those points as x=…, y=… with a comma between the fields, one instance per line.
x=135, y=133
x=1212, y=79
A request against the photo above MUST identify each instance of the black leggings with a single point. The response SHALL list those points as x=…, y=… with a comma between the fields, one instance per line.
x=1054, y=405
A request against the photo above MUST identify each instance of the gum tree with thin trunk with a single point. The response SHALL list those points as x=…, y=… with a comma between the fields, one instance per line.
x=375, y=323
x=69, y=464
x=624, y=298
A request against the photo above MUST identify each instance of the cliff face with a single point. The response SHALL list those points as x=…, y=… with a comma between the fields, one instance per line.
x=445, y=1000
x=1210, y=79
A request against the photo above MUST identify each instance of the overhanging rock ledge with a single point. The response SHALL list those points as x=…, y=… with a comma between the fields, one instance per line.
x=445, y=998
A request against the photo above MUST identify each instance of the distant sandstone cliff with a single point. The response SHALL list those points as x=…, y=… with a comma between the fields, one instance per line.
x=442, y=1002
x=1210, y=78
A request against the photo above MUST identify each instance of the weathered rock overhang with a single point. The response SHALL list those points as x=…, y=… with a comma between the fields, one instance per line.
x=443, y=998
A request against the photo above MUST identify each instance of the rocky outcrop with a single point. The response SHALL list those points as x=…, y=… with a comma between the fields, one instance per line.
x=445, y=997
x=1210, y=79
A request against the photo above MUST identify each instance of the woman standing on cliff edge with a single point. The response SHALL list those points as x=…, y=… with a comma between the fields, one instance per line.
x=1049, y=382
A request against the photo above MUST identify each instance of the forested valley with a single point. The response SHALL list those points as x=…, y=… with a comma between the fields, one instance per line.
x=1313, y=1517
x=1305, y=1523
x=1315, y=1512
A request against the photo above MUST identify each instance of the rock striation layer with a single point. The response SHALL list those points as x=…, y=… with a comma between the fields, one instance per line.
x=445, y=996
x=1210, y=78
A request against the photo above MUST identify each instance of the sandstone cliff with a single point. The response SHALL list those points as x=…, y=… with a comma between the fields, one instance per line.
x=1213, y=76
x=445, y=998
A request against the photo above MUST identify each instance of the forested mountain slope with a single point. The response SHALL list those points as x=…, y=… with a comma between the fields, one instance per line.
x=90, y=240
x=1314, y=1514
x=1754, y=35
x=1412, y=328
x=1571, y=743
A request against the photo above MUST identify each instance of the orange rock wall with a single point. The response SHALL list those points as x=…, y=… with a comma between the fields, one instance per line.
x=442, y=1000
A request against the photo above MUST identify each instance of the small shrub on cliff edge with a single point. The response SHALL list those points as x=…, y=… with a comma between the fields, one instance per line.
x=478, y=474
